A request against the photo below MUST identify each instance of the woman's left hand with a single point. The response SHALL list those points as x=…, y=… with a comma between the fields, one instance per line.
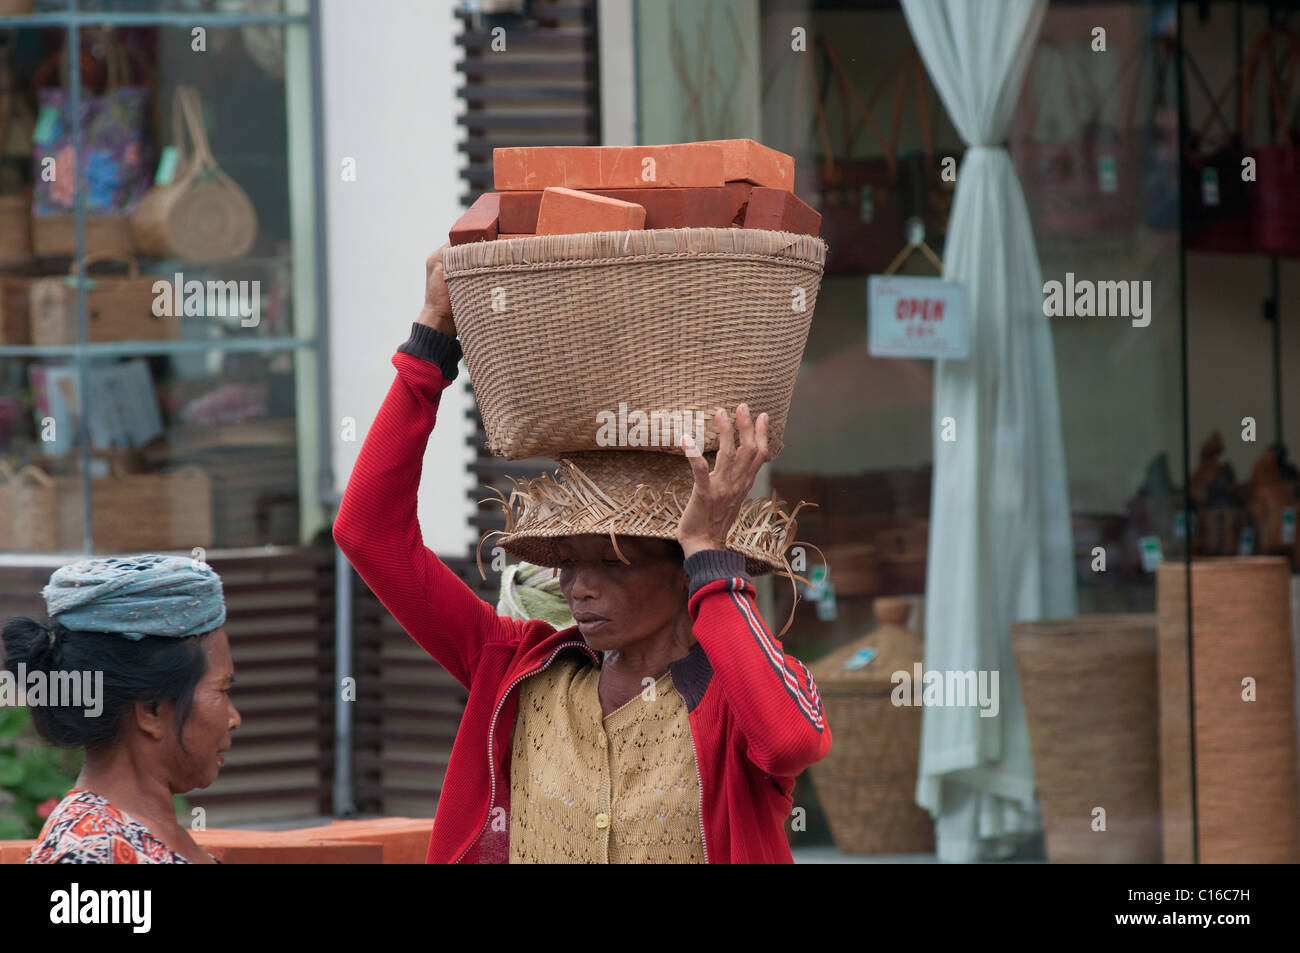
x=717, y=497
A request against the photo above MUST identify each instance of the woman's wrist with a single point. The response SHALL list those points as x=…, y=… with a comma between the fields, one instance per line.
x=437, y=321
x=692, y=546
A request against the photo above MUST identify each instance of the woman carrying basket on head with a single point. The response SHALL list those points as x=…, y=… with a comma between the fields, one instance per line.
x=668, y=725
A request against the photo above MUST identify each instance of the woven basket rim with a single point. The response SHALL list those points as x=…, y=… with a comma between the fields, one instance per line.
x=1089, y=624
x=641, y=244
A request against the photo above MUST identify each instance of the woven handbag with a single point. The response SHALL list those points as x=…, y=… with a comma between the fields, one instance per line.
x=860, y=198
x=1084, y=185
x=201, y=214
x=568, y=337
x=1275, y=196
x=117, y=148
x=1216, y=208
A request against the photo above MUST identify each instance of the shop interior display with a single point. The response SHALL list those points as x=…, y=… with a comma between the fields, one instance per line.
x=1242, y=699
x=1089, y=688
x=867, y=784
x=174, y=188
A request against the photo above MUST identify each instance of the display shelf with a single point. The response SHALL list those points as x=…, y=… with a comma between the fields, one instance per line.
x=130, y=348
x=65, y=18
x=293, y=260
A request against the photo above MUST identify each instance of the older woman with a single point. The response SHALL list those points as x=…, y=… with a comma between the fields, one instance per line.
x=162, y=716
x=666, y=726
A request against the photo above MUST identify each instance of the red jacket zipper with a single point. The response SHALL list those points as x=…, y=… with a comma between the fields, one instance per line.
x=492, y=734
x=699, y=778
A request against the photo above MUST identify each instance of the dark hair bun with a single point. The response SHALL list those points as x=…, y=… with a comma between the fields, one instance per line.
x=152, y=669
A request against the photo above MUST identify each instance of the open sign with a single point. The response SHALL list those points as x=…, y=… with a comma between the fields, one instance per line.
x=925, y=309
x=917, y=317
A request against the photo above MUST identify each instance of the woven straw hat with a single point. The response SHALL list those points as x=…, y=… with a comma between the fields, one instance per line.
x=631, y=493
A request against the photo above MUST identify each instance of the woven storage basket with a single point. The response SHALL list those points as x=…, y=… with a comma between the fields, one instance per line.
x=559, y=329
x=902, y=548
x=47, y=513
x=201, y=215
x=1089, y=688
x=855, y=569
x=105, y=235
x=15, y=228
x=15, y=309
x=135, y=511
x=7, y=480
x=867, y=784
x=118, y=308
x=1247, y=793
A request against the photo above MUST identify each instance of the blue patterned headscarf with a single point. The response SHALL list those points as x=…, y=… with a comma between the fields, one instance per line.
x=135, y=596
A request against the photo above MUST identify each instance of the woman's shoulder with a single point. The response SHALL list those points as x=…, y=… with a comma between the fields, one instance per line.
x=86, y=829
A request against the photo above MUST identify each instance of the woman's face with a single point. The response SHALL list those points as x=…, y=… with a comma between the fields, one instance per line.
x=211, y=720
x=634, y=601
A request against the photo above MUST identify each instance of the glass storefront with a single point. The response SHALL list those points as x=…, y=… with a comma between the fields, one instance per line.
x=159, y=340
x=1166, y=432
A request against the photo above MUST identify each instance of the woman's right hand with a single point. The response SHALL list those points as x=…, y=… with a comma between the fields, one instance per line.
x=436, y=312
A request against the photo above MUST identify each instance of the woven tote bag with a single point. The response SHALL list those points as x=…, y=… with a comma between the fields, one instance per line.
x=202, y=214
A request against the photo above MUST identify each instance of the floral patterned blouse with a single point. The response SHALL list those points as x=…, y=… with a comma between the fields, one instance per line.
x=86, y=829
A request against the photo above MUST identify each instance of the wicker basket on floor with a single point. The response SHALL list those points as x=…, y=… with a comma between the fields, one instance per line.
x=676, y=321
x=15, y=309
x=133, y=511
x=1089, y=688
x=1247, y=793
x=867, y=784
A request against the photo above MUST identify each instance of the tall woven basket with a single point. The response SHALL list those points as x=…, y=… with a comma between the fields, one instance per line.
x=1089, y=687
x=867, y=784
x=1243, y=761
x=558, y=330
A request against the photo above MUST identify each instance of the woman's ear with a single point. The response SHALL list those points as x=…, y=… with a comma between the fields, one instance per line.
x=151, y=718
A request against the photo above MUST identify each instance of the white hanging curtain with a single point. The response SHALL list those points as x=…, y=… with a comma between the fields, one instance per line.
x=1000, y=544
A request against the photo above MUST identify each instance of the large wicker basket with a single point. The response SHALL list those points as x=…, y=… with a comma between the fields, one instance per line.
x=133, y=511
x=1089, y=687
x=1241, y=750
x=867, y=784
x=560, y=329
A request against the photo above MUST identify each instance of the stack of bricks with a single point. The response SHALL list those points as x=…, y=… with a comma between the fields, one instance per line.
x=562, y=190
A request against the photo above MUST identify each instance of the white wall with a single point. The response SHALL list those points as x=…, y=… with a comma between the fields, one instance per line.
x=390, y=103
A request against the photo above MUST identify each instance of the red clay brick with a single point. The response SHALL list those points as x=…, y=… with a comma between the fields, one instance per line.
x=745, y=160
x=568, y=212
x=664, y=208
x=476, y=225
x=687, y=208
x=15, y=851
x=501, y=235
x=518, y=211
x=686, y=165
x=781, y=211
x=490, y=200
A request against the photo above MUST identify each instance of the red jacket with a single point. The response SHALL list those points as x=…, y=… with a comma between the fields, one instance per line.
x=755, y=715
